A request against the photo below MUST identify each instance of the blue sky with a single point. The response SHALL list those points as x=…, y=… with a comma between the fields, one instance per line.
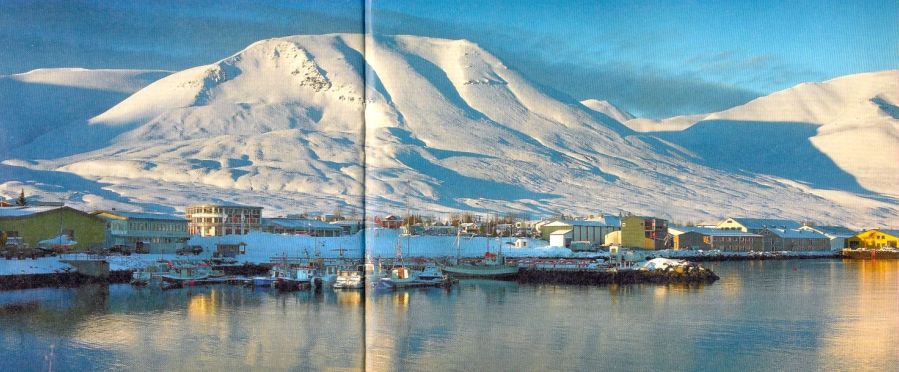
x=654, y=59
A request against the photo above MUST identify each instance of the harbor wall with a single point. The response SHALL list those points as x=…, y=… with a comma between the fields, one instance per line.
x=616, y=277
x=67, y=279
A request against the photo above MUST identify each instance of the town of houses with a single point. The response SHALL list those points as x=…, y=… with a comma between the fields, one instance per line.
x=54, y=224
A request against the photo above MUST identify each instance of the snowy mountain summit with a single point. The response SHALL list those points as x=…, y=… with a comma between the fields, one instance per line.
x=442, y=125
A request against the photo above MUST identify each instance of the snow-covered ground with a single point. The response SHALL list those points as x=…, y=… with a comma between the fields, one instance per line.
x=261, y=247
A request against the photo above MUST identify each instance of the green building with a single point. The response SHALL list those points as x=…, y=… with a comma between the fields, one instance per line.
x=145, y=232
x=34, y=224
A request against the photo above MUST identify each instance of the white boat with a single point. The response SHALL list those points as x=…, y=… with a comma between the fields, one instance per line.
x=349, y=279
x=430, y=272
x=402, y=277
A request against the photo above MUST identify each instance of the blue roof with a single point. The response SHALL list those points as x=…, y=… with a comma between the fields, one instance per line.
x=797, y=234
x=293, y=223
x=146, y=216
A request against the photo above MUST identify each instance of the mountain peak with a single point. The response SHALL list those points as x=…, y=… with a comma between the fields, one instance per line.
x=608, y=109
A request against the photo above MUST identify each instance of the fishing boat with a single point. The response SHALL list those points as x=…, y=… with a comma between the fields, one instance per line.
x=492, y=266
x=349, y=279
x=293, y=277
x=402, y=277
x=431, y=272
x=186, y=273
x=150, y=273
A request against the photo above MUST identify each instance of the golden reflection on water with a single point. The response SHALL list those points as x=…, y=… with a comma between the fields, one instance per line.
x=866, y=326
x=202, y=305
x=349, y=298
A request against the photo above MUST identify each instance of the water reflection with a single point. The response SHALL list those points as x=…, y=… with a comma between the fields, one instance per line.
x=775, y=315
x=206, y=328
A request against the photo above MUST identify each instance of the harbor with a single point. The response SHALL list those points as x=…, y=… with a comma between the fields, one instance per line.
x=814, y=313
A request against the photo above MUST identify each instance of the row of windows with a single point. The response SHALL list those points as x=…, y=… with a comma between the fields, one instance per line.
x=228, y=211
x=233, y=220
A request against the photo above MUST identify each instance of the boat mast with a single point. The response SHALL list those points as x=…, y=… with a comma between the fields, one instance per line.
x=458, y=245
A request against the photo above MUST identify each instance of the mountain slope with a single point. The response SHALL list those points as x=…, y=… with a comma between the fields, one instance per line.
x=839, y=134
x=608, y=109
x=446, y=126
x=36, y=102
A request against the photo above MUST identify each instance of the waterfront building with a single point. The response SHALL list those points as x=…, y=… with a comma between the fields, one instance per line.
x=33, y=224
x=581, y=230
x=349, y=227
x=471, y=228
x=441, y=229
x=794, y=240
x=644, y=232
x=145, y=232
x=838, y=235
x=560, y=238
x=874, y=239
x=415, y=229
x=700, y=238
x=295, y=226
x=389, y=222
x=222, y=219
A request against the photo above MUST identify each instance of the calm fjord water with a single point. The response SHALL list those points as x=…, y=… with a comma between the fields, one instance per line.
x=763, y=315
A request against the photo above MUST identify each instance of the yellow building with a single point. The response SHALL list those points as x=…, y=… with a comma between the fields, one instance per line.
x=643, y=232
x=874, y=238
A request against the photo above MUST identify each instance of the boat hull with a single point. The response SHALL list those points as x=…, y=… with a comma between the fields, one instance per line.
x=482, y=272
x=387, y=283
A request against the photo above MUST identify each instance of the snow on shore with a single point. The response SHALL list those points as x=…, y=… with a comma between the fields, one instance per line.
x=261, y=247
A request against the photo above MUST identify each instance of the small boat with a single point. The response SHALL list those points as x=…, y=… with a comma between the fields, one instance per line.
x=349, y=279
x=492, y=266
x=186, y=273
x=261, y=281
x=293, y=277
x=141, y=278
x=402, y=277
x=431, y=272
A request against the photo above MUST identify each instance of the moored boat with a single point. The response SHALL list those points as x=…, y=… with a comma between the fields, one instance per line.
x=492, y=266
x=293, y=277
x=186, y=273
x=349, y=279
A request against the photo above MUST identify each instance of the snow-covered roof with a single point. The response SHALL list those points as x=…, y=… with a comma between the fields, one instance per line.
x=24, y=211
x=291, y=223
x=797, y=234
x=561, y=232
x=761, y=223
x=677, y=230
x=145, y=216
x=346, y=223
x=577, y=223
x=838, y=231
x=224, y=205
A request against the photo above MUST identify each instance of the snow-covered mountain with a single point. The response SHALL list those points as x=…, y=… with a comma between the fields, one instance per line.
x=441, y=125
